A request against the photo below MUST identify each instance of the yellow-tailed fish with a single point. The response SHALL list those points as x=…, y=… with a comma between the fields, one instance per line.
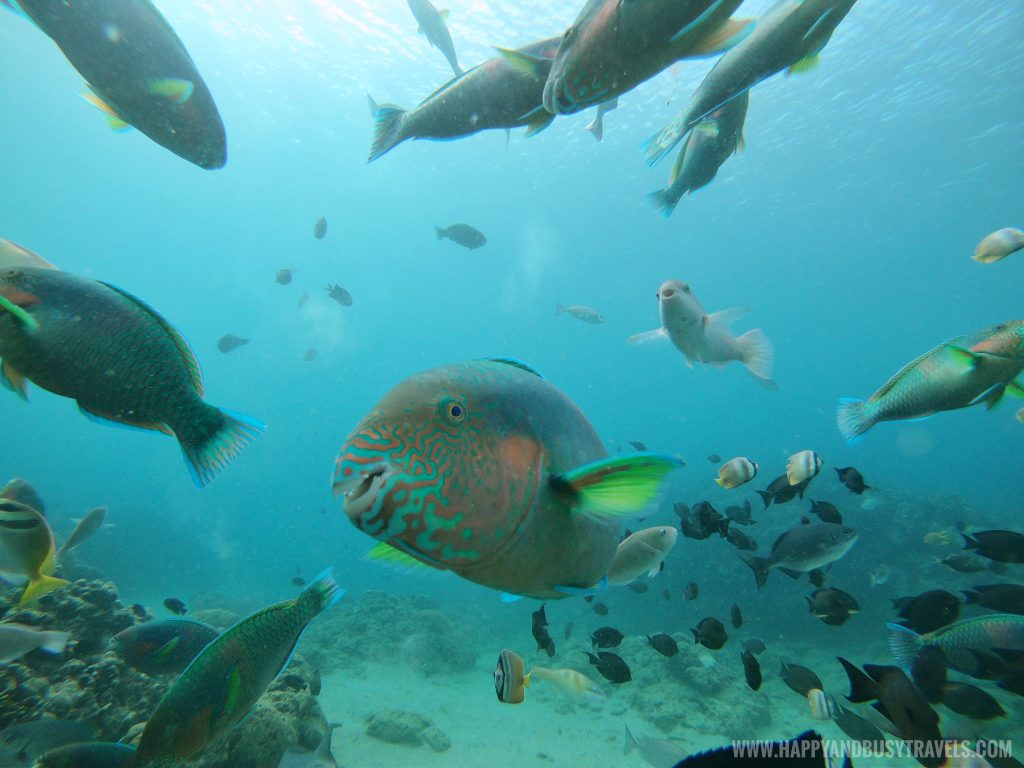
x=965, y=371
x=998, y=245
x=803, y=466
x=641, y=552
x=27, y=549
x=225, y=680
x=736, y=472
x=510, y=678
x=574, y=685
x=485, y=469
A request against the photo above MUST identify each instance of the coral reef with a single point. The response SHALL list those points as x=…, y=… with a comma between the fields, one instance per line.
x=397, y=726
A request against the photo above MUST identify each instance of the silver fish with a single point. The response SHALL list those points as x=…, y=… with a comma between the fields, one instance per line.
x=803, y=549
x=580, y=312
x=87, y=526
x=433, y=26
x=17, y=639
x=661, y=753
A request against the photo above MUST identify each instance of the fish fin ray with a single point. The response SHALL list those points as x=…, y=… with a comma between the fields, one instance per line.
x=523, y=64
x=728, y=35
x=516, y=364
x=904, y=643
x=14, y=380
x=387, y=130
x=615, y=486
x=658, y=334
x=388, y=554
x=206, y=459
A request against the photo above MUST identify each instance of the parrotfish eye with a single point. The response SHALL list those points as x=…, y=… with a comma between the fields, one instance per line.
x=453, y=411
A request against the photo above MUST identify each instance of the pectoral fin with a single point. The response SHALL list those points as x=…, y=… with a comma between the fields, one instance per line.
x=616, y=486
x=525, y=64
x=729, y=34
x=727, y=316
x=658, y=334
x=990, y=397
x=14, y=381
x=114, y=120
x=806, y=64
x=390, y=555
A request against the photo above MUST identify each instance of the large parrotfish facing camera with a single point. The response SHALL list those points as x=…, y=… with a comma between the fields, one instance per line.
x=487, y=470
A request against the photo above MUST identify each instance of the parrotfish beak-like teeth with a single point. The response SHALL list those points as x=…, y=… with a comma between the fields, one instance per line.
x=361, y=497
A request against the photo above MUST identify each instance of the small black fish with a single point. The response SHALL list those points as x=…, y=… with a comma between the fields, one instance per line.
x=663, y=644
x=175, y=606
x=320, y=228
x=600, y=609
x=638, y=586
x=971, y=701
x=928, y=671
x=139, y=610
x=284, y=276
x=462, y=234
x=826, y=512
x=1013, y=682
x=691, y=591
x=755, y=646
x=808, y=750
x=929, y=610
x=751, y=670
x=229, y=342
x=298, y=581
x=703, y=520
x=568, y=630
x=682, y=509
x=666, y=594
x=540, y=632
x=740, y=540
x=736, y=616
x=963, y=563
x=611, y=667
x=710, y=633
x=714, y=458
x=606, y=637
x=588, y=598
x=900, y=702
x=1005, y=598
x=740, y=515
x=852, y=479
x=1001, y=546
x=340, y=295
x=816, y=577
x=800, y=679
x=779, y=491
x=833, y=606
x=638, y=445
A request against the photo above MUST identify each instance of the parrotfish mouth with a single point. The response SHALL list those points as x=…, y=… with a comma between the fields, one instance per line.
x=362, y=490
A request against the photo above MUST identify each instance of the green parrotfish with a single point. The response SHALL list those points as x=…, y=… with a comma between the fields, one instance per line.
x=163, y=647
x=138, y=72
x=229, y=675
x=965, y=371
x=485, y=469
x=120, y=360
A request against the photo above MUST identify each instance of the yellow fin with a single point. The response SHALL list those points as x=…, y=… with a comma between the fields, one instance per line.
x=174, y=88
x=806, y=64
x=445, y=15
x=386, y=553
x=40, y=586
x=741, y=143
x=14, y=381
x=114, y=120
x=722, y=38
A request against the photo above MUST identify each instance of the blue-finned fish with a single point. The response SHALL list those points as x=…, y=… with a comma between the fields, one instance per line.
x=27, y=550
x=965, y=643
x=613, y=46
x=485, y=469
x=503, y=92
x=226, y=679
x=120, y=360
x=433, y=25
x=961, y=372
x=138, y=72
x=163, y=647
x=791, y=34
x=718, y=136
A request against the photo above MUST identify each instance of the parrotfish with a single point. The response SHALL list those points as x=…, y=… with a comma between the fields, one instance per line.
x=225, y=680
x=791, y=34
x=120, y=360
x=27, y=550
x=714, y=141
x=495, y=94
x=966, y=643
x=998, y=245
x=705, y=338
x=641, y=552
x=485, y=469
x=959, y=373
x=613, y=46
x=138, y=71
x=434, y=27
x=163, y=647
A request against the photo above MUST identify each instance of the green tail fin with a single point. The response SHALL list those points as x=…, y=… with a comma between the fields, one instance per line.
x=617, y=486
x=322, y=593
x=206, y=459
x=806, y=64
x=387, y=130
x=38, y=587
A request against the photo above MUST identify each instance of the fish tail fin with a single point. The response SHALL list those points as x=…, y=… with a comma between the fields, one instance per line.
x=559, y=309
x=663, y=201
x=904, y=643
x=387, y=130
x=40, y=586
x=862, y=687
x=210, y=454
x=629, y=743
x=757, y=353
x=766, y=497
x=759, y=565
x=616, y=486
x=322, y=593
x=440, y=233
x=54, y=642
x=970, y=596
x=969, y=542
x=854, y=418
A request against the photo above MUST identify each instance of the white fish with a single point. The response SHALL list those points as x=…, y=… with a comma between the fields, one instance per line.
x=661, y=753
x=803, y=466
x=641, y=552
x=16, y=640
x=580, y=312
x=822, y=705
x=574, y=685
x=998, y=245
x=705, y=338
x=736, y=472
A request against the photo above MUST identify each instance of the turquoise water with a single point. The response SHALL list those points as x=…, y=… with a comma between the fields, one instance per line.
x=846, y=226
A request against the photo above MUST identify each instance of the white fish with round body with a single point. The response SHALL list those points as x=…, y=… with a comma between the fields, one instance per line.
x=641, y=552
x=803, y=466
x=998, y=245
x=707, y=338
x=17, y=639
x=580, y=312
x=661, y=753
x=736, y=472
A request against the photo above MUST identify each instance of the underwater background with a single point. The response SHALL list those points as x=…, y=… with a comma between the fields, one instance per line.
x=846, y=226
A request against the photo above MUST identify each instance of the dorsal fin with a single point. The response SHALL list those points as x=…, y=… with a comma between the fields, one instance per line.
x=189, y=359
x=516, y=364
x=895, y=378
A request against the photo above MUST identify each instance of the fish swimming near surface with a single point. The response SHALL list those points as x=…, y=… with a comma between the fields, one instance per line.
x=13, y=255
x=779, y=491
x=660, y=753
x=736, y=472
x=852, y=479
x=1005, y=598
x=799, y=679
x=175, y=606
x=791, y=34
x=320, y=228
x=715, y=139
x=965, y=371
x=803, y=549
x=580, y=312
x=138, y=71
x=339, y=294
x=27, y=550
x=120, y=360
x=462, y=234
x=88, y=754
x=433, y=25
x=664, y=644
x=704, y=338
x=510, y=677
x=929, y=610
x=1001, y=546
x=91, y=522
x=803, y=467
x=225, y=680
x=229, y=343
x=321, y=757
x=611, y=666
x=606, y=637
x=613, y=46
x=18, y=639
x=710, y=633
x=487, y=470
x=641, y=552
x=163, y=647
x=504, y=92
x=998, y=245
x=966, y=643
x=751, y=670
